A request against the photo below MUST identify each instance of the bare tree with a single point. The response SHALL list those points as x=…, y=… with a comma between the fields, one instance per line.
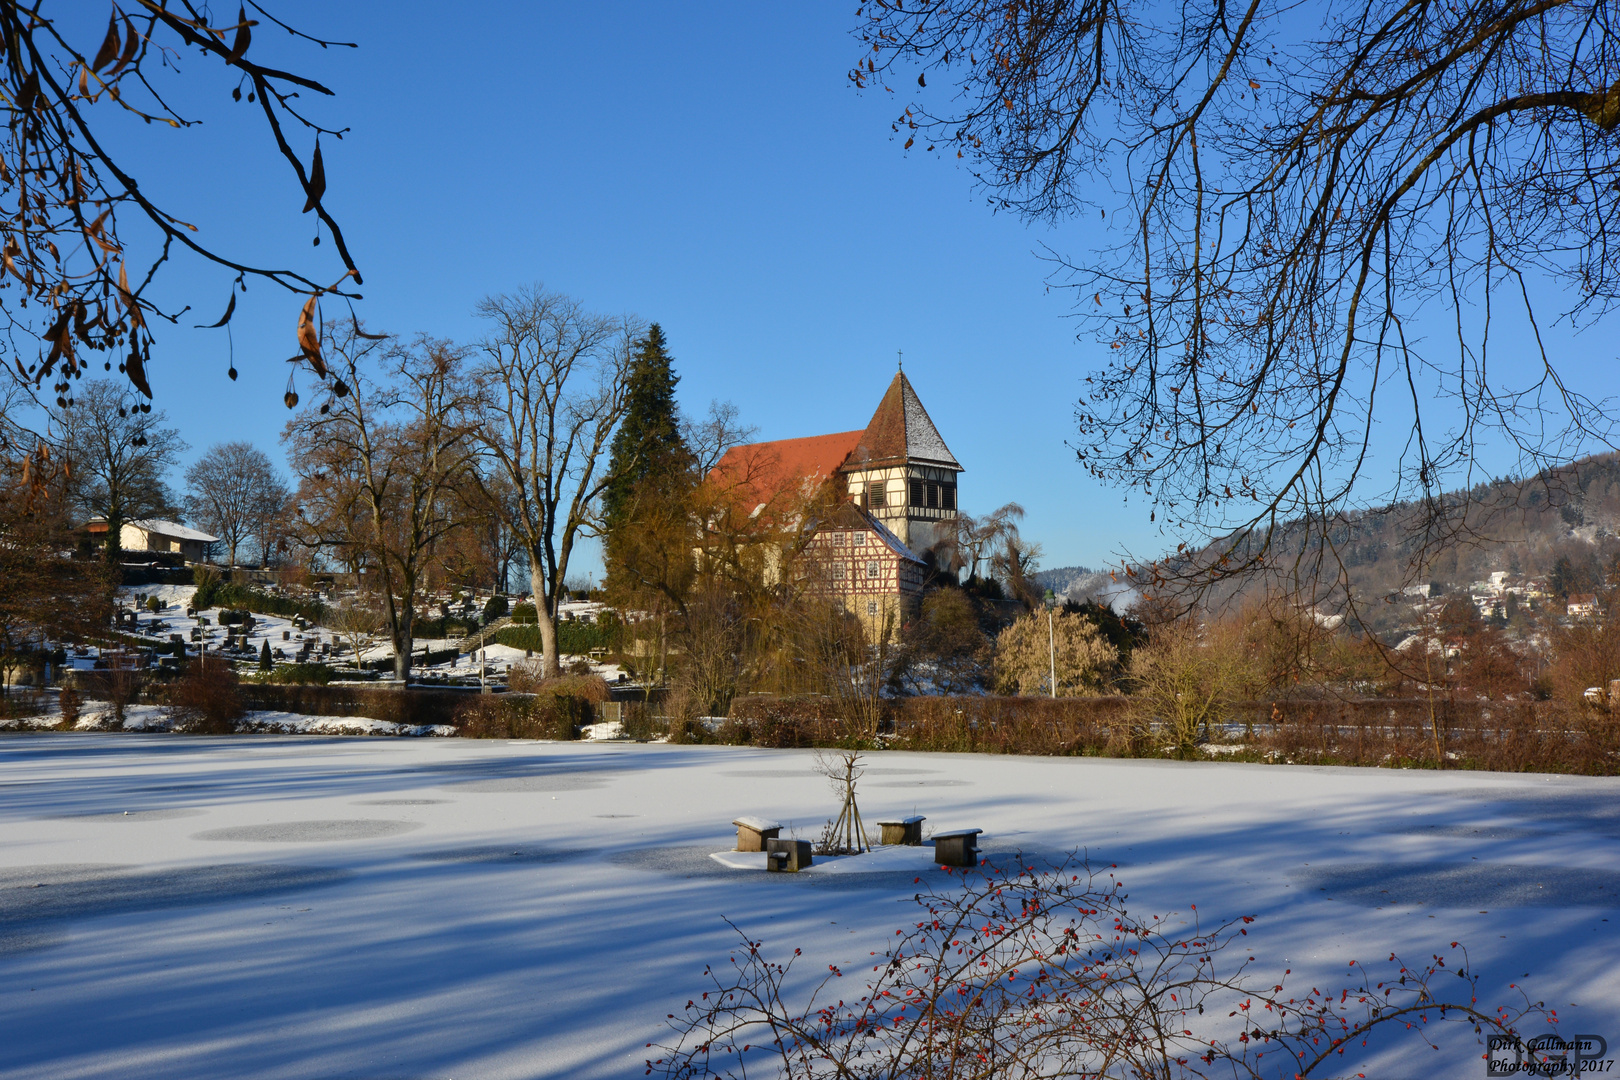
x=709, y=438
x=1297, y=191
x=117, y=455
x=357, y=622
x=978, y=538
x=90, y=291
x=552, y=377
x=46, y=597
x=384, y=464
x=232, y=491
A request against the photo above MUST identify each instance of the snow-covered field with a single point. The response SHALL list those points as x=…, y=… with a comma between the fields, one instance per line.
x=279, y=907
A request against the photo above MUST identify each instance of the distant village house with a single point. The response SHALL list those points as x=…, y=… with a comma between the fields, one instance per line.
x=155, y=534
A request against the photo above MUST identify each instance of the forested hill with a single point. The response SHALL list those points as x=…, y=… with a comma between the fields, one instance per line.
x=1559, y=529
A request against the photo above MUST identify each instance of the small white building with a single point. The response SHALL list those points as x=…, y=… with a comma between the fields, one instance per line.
x=171, y=537
x=1581, y=605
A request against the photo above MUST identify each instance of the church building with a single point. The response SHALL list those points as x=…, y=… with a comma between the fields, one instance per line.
x=894, y=496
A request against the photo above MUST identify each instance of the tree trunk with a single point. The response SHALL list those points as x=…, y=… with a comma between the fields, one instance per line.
x=403, y=641
x=550, y=661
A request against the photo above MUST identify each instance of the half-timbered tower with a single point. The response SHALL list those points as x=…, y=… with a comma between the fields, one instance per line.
x=902, y=473
x=893, y=495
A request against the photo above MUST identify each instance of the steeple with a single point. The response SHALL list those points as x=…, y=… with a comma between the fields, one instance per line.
x=900, y=431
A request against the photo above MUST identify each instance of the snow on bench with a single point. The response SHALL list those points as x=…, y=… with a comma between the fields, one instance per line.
x=752, y=832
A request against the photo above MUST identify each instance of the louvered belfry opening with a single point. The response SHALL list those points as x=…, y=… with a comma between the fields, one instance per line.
x=902, y=472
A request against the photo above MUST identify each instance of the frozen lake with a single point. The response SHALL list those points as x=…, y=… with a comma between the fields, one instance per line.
x=299, y=907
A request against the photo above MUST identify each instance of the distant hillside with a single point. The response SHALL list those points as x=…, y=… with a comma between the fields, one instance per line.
x=1559, y=529
x=1080, y=583
x=1059, y=579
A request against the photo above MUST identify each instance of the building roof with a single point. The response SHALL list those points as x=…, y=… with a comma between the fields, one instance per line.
x=172, y=529
x=759, y=472
x=850, y=516
x=900, y=430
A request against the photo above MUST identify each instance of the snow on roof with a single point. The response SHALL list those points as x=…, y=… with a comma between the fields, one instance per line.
x=172, y=529
x=850, y=516
x=901, y=430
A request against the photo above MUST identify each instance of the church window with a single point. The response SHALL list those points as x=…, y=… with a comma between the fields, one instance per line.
x=918, y=494
x=933, y=496
x=871, y=607
x=949, y=493
x=877, y=493
x=873, y=569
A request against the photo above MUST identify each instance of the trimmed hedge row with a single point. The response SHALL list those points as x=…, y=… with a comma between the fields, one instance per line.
x=401, y=706
x=573, y=638
x=1497, y=736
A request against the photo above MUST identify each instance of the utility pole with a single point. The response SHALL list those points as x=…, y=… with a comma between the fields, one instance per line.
x=1051, y=646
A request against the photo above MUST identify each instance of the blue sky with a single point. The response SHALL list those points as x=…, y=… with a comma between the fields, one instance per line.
x=705, y=166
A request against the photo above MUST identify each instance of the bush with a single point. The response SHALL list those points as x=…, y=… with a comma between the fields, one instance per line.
x=305, y=674
x=206, y=699
x=68, y=702
x=208, y=582
x=118, y=684
x=781, y=722
x=414, y=707
x=211, y=592
x=524, y=716
x=573, y=638
x=1063, y=981
x=524, y=612
x=496, y=607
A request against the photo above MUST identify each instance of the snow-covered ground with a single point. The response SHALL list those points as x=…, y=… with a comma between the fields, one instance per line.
x=98, y=716
x=290, y=908
x=285, y=638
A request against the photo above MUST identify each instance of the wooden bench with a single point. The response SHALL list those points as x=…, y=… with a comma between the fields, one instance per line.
x=959, y=848
x=907, y=831
x=752, y=832
x=788, y=856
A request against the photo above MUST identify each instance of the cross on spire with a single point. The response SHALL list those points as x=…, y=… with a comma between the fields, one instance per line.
x=900, y=360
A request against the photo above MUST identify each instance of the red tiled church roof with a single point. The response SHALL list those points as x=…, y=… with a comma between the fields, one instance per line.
x=760, y=471
x=899, y=431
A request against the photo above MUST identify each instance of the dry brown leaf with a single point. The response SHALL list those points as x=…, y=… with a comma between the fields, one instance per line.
x=109, y=44
x=132, y=42
x=230, y=309
x=135, y=368
x=309, y=335
x=317, y=181
x=244, y=36
x=28, y=92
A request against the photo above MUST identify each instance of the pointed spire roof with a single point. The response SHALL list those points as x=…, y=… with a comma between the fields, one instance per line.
x=901, y=431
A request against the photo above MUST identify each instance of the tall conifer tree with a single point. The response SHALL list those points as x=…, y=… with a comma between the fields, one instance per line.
x=648, y=444
x=646, y=511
